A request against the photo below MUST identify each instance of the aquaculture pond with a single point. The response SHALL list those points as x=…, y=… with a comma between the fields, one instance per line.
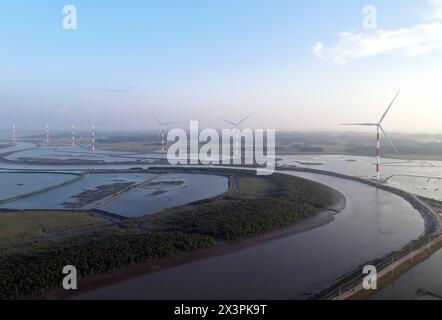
x=167, y=191
x=89, y=192
x=17, y=184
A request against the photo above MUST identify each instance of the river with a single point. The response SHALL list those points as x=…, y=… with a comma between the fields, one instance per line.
x=373, y=224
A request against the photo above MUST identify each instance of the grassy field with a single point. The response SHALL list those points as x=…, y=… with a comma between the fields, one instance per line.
x=253, y=187
x=16, y=226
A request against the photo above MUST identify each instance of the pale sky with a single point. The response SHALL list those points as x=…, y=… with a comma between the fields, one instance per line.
x=299, y=65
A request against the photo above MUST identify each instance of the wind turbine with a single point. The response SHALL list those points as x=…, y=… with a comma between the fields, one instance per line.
x=14, y=137
x=93, y=125
x=379, y=128
x=73, y=139
x=163, y=126
x=73, y=127
x=48, y=134
x=237, y=125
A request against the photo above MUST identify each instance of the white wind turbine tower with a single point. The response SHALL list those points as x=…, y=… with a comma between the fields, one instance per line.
x=14, y=136
x=379, y=128
x=93, y=126
x=48, y=134
x=73, y=139
x=236, y=126
x=73, y=127
x=163, y=126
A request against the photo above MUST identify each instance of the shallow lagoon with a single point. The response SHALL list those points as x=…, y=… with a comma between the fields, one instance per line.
x=168, y=191
x=16, y=184
x=155, y=193
x=56, y=199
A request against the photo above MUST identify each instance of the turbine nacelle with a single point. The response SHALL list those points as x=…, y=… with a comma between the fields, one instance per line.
x=379, y=129
x=237, y=124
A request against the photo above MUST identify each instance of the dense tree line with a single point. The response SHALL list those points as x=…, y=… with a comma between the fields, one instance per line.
x=36, y=271
x=288, y=201
x=291, y=200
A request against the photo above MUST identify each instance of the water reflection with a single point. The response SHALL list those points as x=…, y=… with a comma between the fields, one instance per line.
x=374, y=223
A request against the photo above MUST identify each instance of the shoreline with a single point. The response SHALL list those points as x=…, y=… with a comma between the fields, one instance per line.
x=394, y=271
x=432, y=226
x=221, y=248
x=349, y=286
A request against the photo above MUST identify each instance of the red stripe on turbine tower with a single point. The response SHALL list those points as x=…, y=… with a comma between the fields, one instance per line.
x=93, y=125
x=378, y=135
x=163, y=127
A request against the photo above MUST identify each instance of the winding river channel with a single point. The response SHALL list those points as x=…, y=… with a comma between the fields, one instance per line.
x=373, y=224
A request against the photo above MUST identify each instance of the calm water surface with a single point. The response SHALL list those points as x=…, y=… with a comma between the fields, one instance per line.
x=169, y=191
x=423, y=282
x=16, y=184
x=55, y=199
x=373, y=224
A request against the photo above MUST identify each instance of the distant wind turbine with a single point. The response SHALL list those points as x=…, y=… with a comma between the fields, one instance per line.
x=73, y=127
x=237, y=126
x=379, y=128
x=73, y=139
x=14, y=137
x=93, y=126
x=163, y=126
x=48, y=134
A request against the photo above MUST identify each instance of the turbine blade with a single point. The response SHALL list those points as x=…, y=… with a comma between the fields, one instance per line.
x=389, y=107
x=84, y=116
x=245, y=119
x=158, y=120
x=388, y=138
x=229, y=122
x=171, y=123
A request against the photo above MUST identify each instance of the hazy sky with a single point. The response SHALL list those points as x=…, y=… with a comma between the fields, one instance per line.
x=301, y=65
